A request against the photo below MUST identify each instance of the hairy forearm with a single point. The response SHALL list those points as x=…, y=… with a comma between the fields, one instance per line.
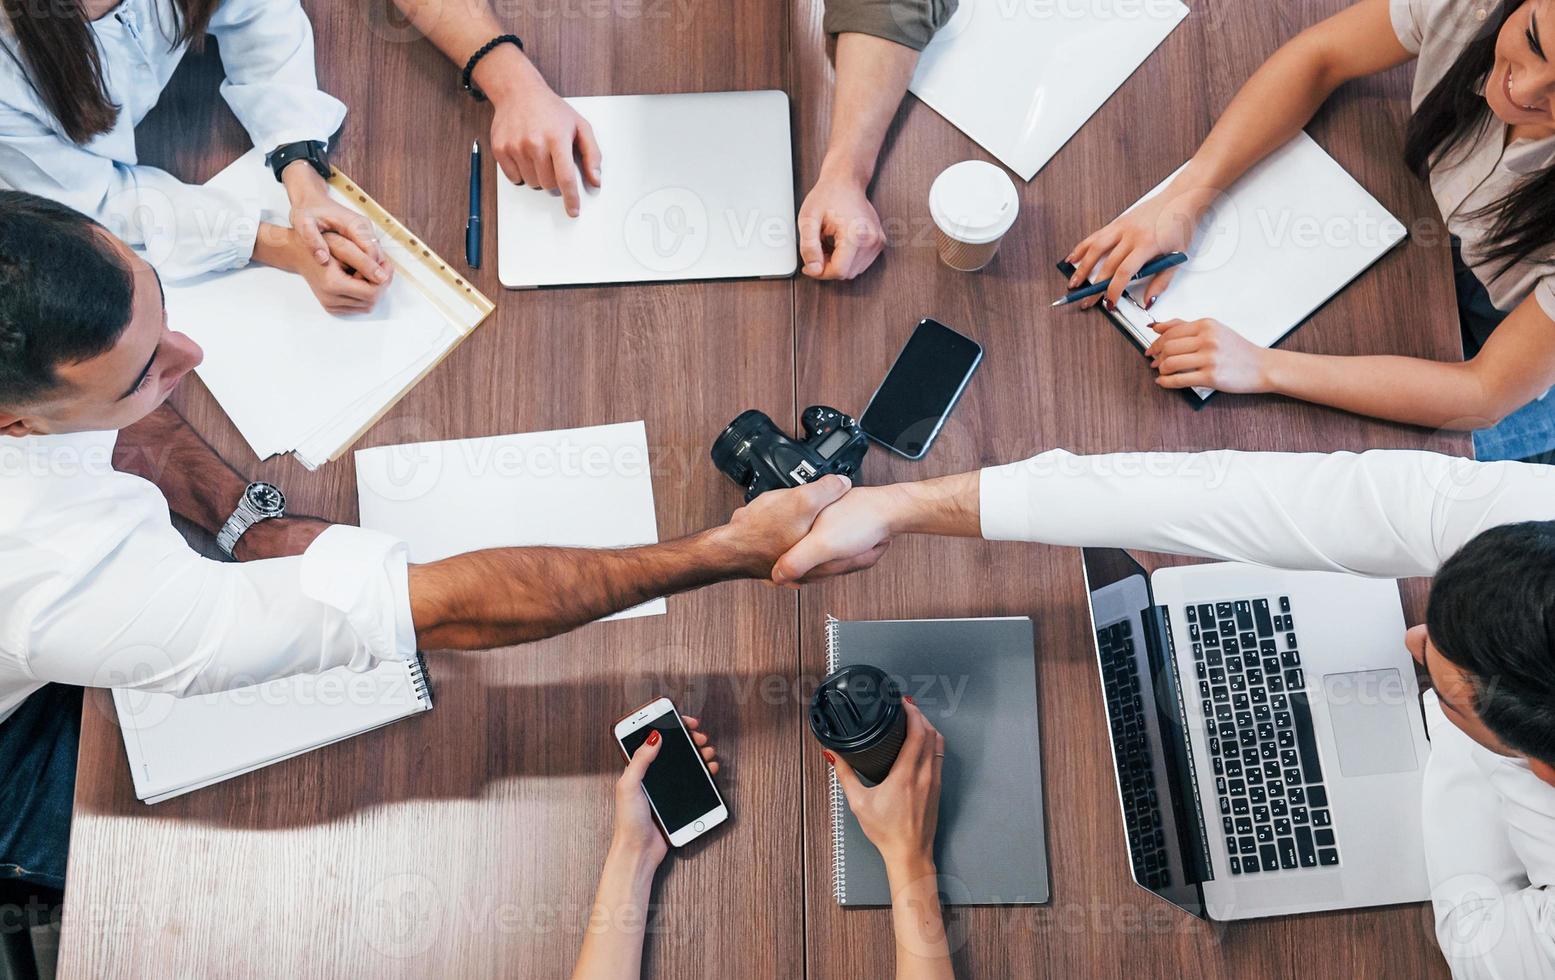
x=872, y=77
x=613, y=938
x=1438, y=394
x=202, y=487
x=503, y=596
x=922, y=948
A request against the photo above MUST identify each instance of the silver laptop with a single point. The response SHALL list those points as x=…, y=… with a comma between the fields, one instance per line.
x=695, y=186
x=1267, y=735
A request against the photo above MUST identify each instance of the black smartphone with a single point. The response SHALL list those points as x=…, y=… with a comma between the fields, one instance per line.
x=911, y=404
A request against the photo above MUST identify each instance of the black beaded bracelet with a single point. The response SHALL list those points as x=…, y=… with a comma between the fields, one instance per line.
x=475, y=59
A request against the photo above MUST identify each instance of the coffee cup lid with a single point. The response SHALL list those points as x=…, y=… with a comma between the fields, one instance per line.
x=854, y=708
x=973, y=201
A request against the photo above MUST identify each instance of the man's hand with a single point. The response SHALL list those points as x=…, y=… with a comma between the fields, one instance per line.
x=847, y=536
x=839, y=231
x=534, y=132
x=761, y=531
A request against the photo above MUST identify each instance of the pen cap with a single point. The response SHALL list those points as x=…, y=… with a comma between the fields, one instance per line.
x=973, y=202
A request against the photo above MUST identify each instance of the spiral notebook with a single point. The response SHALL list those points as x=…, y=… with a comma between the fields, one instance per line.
x=178, y=745
x=976, y=680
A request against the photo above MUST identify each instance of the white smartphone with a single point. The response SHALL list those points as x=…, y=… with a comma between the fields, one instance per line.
x=679, y=788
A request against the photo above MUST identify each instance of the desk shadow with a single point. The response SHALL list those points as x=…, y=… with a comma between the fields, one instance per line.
x=476, y=736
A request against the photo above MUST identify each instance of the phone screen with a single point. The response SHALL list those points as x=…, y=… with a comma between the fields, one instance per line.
x=911, y=404
x=677, y=783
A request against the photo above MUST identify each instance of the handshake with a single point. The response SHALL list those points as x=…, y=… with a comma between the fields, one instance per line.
x=829, y=527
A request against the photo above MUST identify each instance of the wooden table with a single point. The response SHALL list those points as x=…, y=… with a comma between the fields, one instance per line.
x=466, y=842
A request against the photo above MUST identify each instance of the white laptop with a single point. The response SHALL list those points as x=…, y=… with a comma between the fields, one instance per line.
x=1267, y=735
x=695, y=186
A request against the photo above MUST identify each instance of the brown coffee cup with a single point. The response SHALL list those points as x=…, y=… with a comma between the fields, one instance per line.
x=973, y=204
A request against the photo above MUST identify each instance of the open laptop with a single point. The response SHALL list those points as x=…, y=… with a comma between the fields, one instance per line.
x=1267, y=735
x=694, y=186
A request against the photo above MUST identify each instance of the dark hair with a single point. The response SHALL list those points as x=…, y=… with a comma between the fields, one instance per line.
x=65, y=294
x=64, y=66
x=1492, y=613
x=1451, y=117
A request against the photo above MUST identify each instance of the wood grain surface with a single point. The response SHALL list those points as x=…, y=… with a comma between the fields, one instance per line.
x=466, y=842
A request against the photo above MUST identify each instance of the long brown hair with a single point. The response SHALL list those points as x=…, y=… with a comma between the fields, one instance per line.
x=63, y=64
x=1451, y=117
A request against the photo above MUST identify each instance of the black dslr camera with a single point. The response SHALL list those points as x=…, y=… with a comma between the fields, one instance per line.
x=759, y=456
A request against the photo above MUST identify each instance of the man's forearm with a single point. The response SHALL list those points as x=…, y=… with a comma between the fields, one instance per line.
x=459, y=28
x=202, y=487
x=503, y=596
x=872, y=77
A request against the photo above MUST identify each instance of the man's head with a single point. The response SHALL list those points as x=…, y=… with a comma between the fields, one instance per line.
x=84, y=343
x=1489, y=641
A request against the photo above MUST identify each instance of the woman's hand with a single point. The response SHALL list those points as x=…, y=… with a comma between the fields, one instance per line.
x=1207, y=354
x=329, y=229
x=636, y=834
x=1150, y=229
x=900, y=814
x=336, y=286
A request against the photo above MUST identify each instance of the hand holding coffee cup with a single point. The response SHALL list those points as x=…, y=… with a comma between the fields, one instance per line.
x=900, y=814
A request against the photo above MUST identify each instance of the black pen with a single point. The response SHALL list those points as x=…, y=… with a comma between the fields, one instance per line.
x=1154, y=266
x=472, y=225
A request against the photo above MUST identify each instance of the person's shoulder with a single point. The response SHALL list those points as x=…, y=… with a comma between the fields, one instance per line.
x=1441, y=29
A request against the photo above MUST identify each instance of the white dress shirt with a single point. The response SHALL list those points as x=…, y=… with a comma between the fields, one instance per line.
x=97, y=588
x=1489, y=821
x=184, y=229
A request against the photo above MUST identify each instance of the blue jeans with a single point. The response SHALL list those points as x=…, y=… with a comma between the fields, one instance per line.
x=38, y=785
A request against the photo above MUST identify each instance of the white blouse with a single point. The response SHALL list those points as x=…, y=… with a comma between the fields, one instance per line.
x=183, y=229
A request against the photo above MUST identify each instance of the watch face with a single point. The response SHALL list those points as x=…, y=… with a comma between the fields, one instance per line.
x=266, y=499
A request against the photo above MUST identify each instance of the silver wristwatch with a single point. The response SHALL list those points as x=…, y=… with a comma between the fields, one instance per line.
x=260, y=502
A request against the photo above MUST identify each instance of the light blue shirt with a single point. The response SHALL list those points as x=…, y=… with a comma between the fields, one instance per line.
x=183, y=229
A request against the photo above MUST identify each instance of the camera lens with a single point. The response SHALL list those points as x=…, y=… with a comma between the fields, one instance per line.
x=733, y=445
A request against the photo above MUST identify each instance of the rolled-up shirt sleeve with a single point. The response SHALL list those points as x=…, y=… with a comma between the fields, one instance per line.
x=912, y=23
x=272, y=82
x=153, y=615
x=1387, y=513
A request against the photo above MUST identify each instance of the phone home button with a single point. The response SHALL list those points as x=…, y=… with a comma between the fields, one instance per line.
x=699, y=826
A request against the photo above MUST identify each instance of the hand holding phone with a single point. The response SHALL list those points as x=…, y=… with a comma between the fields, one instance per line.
x=668, y=779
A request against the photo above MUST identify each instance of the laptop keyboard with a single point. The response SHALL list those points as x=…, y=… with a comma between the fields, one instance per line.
x=1269, y=780
x=1130, y=745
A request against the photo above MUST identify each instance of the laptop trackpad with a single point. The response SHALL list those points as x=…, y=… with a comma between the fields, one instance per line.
x=1369, y=711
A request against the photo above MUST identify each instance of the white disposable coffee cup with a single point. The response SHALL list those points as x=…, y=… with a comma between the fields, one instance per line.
x=973, y=203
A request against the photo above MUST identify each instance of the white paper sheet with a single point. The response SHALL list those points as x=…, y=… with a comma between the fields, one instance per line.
x=1020, y=77
x=588, y=487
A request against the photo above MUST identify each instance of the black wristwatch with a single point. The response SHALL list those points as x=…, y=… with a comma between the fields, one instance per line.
x=310, y=150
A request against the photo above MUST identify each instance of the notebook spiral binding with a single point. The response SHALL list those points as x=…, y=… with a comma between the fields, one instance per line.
x=420, y=680
x=836, y=800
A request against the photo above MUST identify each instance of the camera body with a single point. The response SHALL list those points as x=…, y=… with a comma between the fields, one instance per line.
x=759, y=456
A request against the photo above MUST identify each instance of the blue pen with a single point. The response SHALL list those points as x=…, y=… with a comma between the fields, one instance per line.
x=1168, y=261
x=472, y=226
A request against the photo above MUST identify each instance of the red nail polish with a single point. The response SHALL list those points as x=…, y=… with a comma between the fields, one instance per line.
x=653, y=737
x=1149, y=302
x=1111, y=307
x=908, y=699
x=830, y=759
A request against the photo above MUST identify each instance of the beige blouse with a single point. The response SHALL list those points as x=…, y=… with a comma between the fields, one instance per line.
x=1437, y=31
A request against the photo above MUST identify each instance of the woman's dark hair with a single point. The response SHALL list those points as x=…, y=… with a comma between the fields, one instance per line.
x=66, y=295
x=64, y=66
x=1492, y=613
x=1448, y=121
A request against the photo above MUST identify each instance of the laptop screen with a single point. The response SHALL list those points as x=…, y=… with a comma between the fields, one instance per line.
x=1161, y=815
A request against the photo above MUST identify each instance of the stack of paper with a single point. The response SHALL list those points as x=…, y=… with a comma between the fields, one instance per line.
x=294, y=378
x=1020, y=78
x=582, y=488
